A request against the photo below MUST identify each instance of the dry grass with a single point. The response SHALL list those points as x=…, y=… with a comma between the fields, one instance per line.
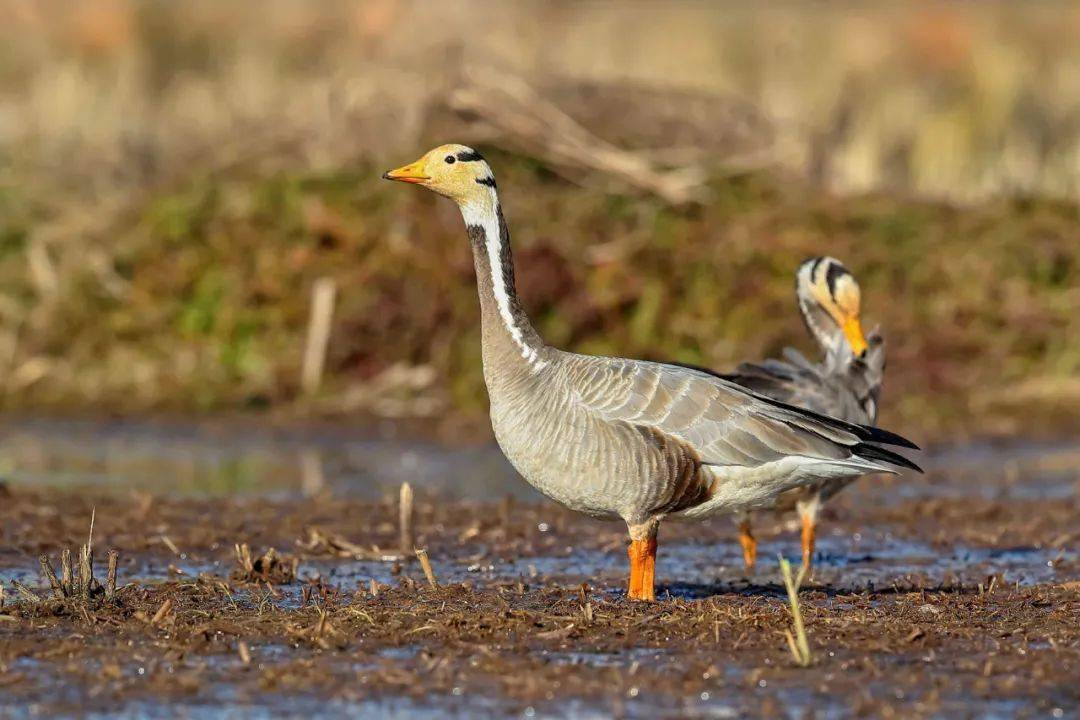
x=798, y=643
x=944, y=100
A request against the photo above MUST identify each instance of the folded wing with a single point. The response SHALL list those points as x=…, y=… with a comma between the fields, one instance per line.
x=726, y=424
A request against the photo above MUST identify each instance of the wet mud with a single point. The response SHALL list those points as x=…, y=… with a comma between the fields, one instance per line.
x=954, y=594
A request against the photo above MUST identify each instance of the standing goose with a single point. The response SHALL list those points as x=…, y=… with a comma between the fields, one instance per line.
x=845, y=385
x=615, y=438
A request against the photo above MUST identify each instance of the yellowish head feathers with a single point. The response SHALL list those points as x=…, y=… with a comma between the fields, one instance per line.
x=454, y=171
x=825, y=282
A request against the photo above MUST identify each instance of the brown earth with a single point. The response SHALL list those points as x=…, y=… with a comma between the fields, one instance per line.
x=493, y=637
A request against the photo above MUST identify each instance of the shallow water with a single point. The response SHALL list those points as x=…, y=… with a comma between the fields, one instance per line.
x=210, y=460
x=218, y=699
x=188, y=460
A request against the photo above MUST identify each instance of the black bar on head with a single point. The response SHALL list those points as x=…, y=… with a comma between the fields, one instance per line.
x=834, y=273
x=469, y=156
x=489, y=181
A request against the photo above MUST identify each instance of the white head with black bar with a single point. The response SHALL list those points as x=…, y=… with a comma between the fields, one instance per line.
x=829, y=300
x=461, y=174
x=454, y=171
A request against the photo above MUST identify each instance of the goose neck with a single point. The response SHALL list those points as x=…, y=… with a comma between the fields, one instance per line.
x=507, y=333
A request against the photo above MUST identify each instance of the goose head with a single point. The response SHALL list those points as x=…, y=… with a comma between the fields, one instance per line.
x=829, y=300
x=454, y=171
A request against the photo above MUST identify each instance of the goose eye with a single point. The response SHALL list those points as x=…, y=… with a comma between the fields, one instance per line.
x=450, y=159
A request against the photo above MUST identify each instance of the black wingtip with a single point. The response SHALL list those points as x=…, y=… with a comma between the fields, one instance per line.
x=889, y=438
x=863, y=432
x=873, y=452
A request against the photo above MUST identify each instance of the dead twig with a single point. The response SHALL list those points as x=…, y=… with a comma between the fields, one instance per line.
x=425, y=563
x=167, y=542
x=318, y=335
x=50, y=575
x=27, y=595
x=86, y=572
x=163, y=612
x=312, y=477
x=269, y=568
x=76, y=591
x=558, y=634
x=320, y=542
x=244, y=652
x=520, y=117
x=67, y=578
x=320, y=633
x=406, y=538
x=110, y=578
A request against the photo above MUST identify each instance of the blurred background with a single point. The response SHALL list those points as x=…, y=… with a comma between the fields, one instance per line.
x=192, y=221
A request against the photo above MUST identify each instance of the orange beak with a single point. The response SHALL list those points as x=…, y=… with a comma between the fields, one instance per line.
x=853, y=332
x=411, y=173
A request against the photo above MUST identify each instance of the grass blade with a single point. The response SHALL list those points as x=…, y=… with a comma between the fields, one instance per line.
x=797, y=642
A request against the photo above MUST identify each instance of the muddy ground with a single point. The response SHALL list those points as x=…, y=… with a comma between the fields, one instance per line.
x=953, y=594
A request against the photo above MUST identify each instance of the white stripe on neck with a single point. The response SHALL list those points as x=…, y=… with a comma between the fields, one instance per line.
x=486, y=216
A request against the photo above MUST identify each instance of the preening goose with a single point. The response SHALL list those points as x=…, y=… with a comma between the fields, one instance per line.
x=845, y=385
x=626, y=439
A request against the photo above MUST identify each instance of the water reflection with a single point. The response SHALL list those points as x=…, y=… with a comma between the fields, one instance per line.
x=190, y=459
x=194, y=459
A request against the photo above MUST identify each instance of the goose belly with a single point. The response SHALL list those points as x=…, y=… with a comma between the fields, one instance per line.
x=549, y=456
x=604, y=470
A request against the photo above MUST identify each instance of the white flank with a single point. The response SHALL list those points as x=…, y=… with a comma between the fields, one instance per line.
x=741, y=488
x=486, y=216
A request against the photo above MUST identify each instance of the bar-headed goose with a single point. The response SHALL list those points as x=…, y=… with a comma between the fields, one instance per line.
x=627, y=439
x=845, y=385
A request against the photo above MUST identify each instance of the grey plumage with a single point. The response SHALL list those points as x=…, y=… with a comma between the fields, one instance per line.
x=842, y=386
x=845, y=385
x=617, y=438
x=639, y=440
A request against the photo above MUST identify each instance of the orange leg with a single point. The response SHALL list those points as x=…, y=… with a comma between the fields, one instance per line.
x=749, y=544
x=637, y=568
x=642, y=569
x=809, y=531
x=648, y=578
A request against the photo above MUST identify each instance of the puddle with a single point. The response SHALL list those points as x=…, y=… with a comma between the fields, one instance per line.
x=191, y=459
x=856, y=552
x=196, y=460
x=735, y=692
x=218, y=701
x=132, y=568
x=687, y=570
